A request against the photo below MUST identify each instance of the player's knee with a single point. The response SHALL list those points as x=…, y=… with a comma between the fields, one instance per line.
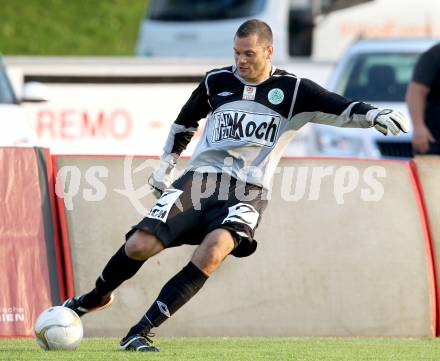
x=213, y=250
x=207, y=262
x=214, y=256
x=142, y=245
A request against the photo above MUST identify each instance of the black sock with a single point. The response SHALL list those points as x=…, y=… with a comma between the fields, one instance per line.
x=176, y=292
x=118, y=269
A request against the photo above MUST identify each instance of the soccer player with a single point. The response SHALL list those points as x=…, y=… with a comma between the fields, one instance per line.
x=253, y=110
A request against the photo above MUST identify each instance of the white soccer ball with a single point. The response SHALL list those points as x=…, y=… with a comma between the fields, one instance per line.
x=58, y=328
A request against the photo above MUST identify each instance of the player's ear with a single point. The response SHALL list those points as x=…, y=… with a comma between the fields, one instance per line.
x=269, y=51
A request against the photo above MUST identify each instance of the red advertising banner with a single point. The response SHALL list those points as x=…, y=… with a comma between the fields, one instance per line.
x=29, y=273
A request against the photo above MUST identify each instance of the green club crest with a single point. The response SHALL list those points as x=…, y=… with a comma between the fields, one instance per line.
x=275, y=96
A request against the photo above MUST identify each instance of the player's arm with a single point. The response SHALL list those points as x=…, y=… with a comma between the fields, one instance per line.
x=415, y=99
x=325, y=107
x=425, y=71
x=180, y=134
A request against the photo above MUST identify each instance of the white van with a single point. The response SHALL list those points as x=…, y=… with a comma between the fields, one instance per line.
x=205, y=28
x=318, y=28
x=15, y=129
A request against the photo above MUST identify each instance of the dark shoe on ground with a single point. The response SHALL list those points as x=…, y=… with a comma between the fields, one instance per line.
x=139, y=343
x=76, y=304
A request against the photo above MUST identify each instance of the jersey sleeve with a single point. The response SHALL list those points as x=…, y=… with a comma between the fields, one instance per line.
x=427, y=67
x=182, y=130
x=324, y=107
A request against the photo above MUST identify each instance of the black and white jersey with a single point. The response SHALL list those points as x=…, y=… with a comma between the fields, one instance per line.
x=249, y=125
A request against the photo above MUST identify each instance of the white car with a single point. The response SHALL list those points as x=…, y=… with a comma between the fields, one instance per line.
x=15, y=129
x=376, y=71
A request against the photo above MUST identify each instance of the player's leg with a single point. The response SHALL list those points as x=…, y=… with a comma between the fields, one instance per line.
x=213, y=250
x=181, y=288
x=151, y=235
x=123, y=265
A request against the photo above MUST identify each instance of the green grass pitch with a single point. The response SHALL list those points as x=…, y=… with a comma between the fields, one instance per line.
x=236, y=349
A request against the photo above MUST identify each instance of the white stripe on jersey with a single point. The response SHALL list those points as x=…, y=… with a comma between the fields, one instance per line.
x=295, y=93
x=291, y=75
x=214, y=72
x=175, y=129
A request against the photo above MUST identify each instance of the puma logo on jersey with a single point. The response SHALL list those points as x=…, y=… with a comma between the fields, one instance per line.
x=225, y=94
x=261, y=129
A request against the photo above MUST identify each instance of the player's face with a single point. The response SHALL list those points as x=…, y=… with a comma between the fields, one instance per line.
x=252, y=58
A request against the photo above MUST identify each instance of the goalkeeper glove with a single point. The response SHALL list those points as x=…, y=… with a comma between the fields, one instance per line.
x=162, y=177
x=385, y=120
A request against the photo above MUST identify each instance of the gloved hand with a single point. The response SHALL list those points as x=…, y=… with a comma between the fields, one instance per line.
x=385, y=120
x=162, y=177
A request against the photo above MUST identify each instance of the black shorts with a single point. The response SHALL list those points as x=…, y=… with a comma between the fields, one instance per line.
x=198, y=203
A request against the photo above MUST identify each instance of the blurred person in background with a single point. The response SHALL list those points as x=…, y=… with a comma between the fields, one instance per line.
x=253, y=110
x=423, y=100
